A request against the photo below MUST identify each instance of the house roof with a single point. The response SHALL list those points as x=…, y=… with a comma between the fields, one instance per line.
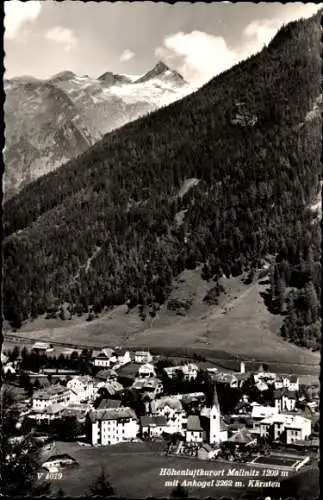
x=109, y=403
x=104, y=374
x=204, y=365
x=153, y=420
x=51, y=410
x=290, y=421
x=121, y=351
x=261, y=385
x=112, y=414
x=241, y=437
x=194, y=423
x=308, y=442
x=207, y=447
x=129, y=370
x=224, y=377
x=146, y=383
x=113, y=387
x=194, y=396
x=55, y=408
x=49, y=392
x=105, y=353
x=85, y=379
x=262, y=411
x=41, y=345
x=173, y=403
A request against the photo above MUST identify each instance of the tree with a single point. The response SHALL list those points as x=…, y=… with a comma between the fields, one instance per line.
x=60, y=493
x=19, y=460
x=24, y=381
x=101, y=486
x=179, y=492
x=15, y=353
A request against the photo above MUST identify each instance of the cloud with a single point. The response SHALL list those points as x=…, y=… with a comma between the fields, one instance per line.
x=126, y=55
x=261, y=31
x=63, y=36
x=197, y=56
x=17, y=15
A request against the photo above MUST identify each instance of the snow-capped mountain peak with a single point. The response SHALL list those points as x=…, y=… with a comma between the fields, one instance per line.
x=162, y=72
x=109, y=78
x=50, y=121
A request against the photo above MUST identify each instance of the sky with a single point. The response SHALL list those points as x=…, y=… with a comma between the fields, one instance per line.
x=199, y=40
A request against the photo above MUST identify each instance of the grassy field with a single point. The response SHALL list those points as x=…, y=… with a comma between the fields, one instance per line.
x=243, y=327
x=134, y=471
x=240, y=326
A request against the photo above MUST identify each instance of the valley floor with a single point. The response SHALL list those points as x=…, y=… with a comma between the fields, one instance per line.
x=239, y=327
x=134, y=471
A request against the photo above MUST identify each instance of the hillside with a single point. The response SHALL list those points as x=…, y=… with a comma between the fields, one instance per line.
x=50, y=121
x=120, y=204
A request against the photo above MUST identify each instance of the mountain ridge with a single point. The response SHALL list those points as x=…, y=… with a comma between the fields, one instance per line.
x=91, y=107
x=257, y=173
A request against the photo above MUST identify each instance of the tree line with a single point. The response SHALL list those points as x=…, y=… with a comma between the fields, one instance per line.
x=102, y=230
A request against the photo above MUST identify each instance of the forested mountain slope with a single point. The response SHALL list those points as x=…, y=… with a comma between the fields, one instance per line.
x=247, y=139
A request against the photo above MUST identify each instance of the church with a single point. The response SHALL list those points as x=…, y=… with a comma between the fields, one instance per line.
x=208, y=426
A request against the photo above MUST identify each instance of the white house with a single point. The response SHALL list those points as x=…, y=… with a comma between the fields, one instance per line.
x=82, y=388
x=112, y=387
x=143, y=357
x=9, y=368
x=153, y=426
x=267, y=377
x=294, y=426
x=42, y=347
x=57, y=462
x=195, y=433
x=258, y=413
x=106, y=374
x=146, y=371
x=44, y=398
x=104, y=358
x=262, y=386
x=48, y=414
x=121, y=357
x=114, y=425
x=285, y=400
x=189, y=370
x=152, y=387
x=293, y=383
x=172, y=410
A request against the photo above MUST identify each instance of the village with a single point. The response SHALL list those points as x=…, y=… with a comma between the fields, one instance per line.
x=196, y=410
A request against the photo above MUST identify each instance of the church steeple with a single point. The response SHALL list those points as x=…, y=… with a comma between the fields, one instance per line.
x=215, y=418
x=215, y=401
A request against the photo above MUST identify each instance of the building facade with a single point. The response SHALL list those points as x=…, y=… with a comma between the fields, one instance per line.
x=56, y=394
x=143, y=357
x=112, y=426
x=81, y=387
x=289, y=428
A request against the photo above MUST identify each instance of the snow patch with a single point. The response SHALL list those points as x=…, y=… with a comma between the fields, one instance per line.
x=133, y=78
x=187, y=185
x=315, y=111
